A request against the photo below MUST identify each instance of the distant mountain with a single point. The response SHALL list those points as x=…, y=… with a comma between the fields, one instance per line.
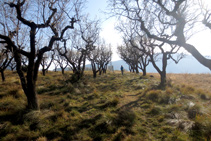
x=187, y=65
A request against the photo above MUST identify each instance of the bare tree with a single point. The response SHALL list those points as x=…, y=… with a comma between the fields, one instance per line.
x=55, y=65
x=100, y=57
x=93, y=58
x=143, y=62
x=5, y=60
x=12, y=65
x=76, y=60
x=105, y=57
x=130, y=52
x=37, y=18
x=156, y=50
x=81, y=43
x=47, y=61
x=176, y=19
x=61, y=61
x=130, y=55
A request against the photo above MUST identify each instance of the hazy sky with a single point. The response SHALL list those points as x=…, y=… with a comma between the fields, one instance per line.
x=201, y=40
x=96, y=8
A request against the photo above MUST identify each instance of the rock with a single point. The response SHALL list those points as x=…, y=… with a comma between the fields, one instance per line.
x=187, y=97
x=186, y=125
x=190, y=104
x=172, y=100
x=77, y=91
x=173, y=115
x=173, y=122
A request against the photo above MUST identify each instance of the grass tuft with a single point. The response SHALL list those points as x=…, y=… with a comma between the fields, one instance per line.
x=202, y=128
x=193, y=111
x=153, y=95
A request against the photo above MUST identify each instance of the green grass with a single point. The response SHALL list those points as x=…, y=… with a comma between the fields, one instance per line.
x=109, y=107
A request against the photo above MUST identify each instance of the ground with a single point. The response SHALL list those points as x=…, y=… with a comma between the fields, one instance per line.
x=110, y=107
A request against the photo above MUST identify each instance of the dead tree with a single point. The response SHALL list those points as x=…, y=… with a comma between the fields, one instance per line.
x=52, y=13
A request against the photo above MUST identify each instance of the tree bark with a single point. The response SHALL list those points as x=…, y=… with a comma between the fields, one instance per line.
x=43, y=72
x=163, y=72
x=163, y=79
x=62, y=71
x=94, y=74
x=2, y=76
x=144, y=71
x=137, y=71
x=100, y=72
x=196, y=54
x=32, y=97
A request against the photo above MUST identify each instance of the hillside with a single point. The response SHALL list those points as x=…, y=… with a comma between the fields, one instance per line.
x=187, y=65
x=110, y=107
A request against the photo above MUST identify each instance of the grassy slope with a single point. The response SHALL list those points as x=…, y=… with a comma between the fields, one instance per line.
x=110, y=107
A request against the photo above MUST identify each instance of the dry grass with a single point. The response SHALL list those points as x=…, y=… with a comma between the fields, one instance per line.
x=110, y=107
x=199, y=81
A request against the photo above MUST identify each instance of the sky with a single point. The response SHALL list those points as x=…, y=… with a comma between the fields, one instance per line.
x=96, y=9
x=201, y=40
